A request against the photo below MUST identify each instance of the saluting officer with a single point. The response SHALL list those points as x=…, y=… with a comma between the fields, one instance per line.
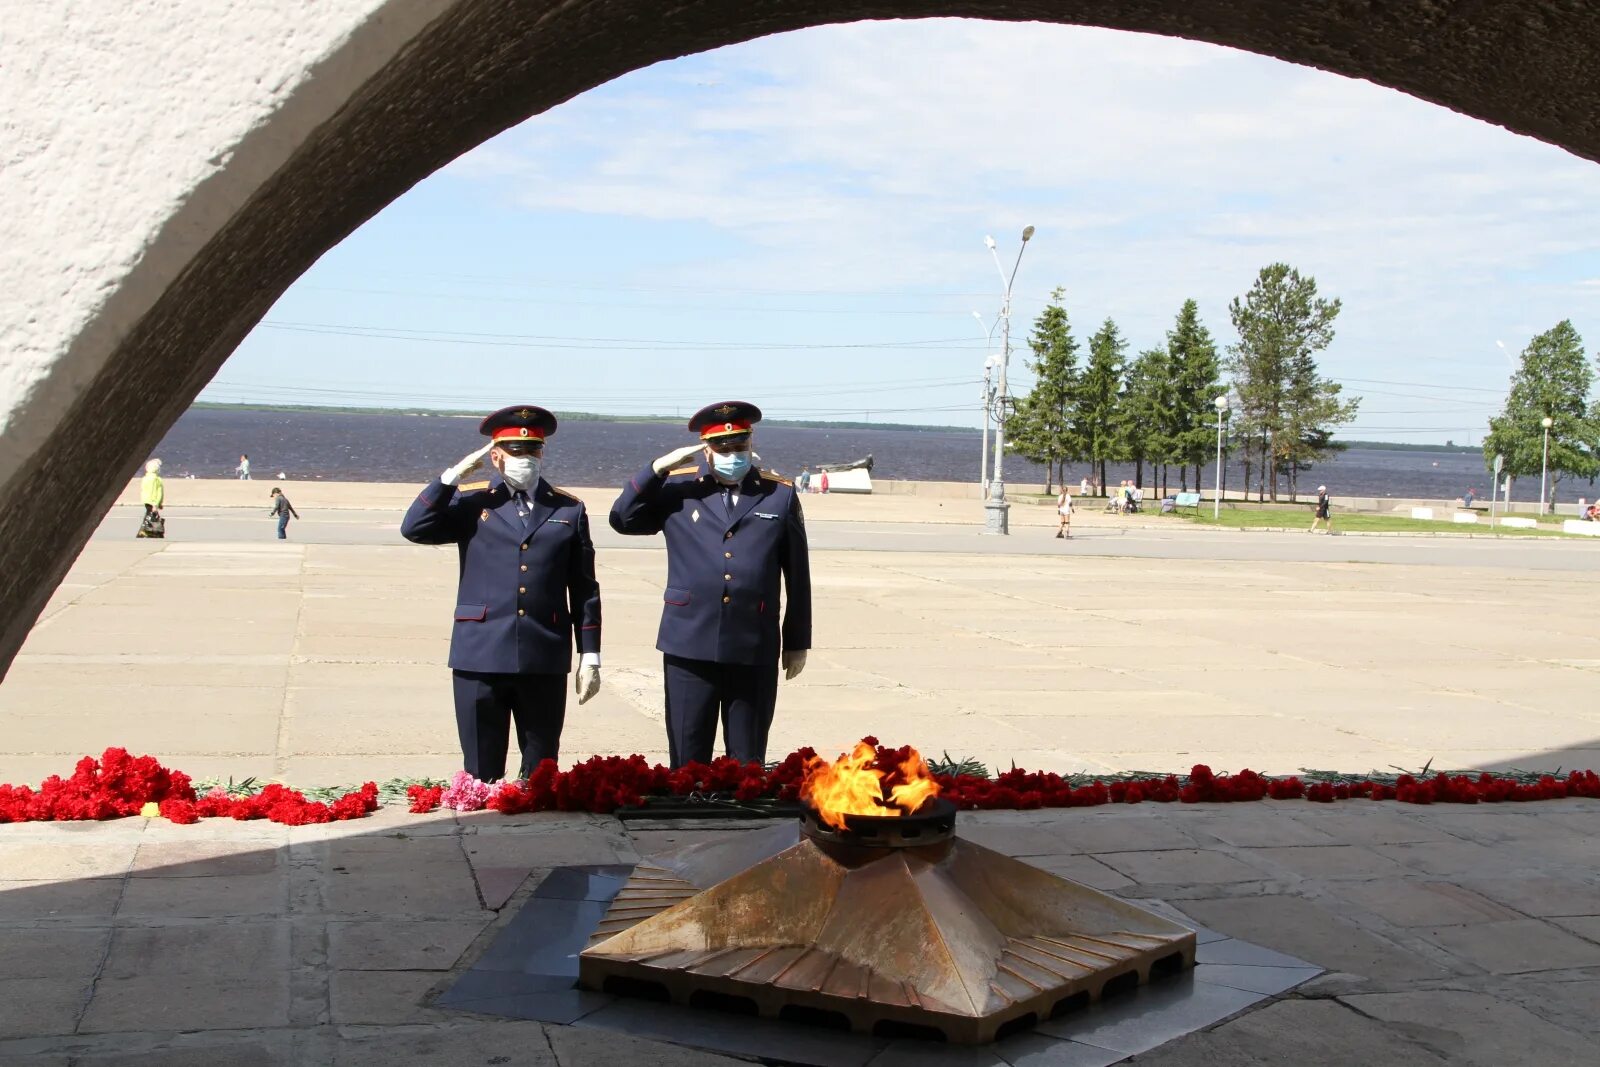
x=731, y=532
x=527, y=587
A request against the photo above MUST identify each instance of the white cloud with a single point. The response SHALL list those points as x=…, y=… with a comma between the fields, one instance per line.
x=874, y=156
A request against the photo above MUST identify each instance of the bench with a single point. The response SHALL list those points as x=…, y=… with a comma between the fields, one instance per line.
x=1182, y=500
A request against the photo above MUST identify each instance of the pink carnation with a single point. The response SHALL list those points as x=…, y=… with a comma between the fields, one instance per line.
x=466, y=793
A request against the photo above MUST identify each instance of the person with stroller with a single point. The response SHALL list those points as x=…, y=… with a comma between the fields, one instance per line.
x=153, y=495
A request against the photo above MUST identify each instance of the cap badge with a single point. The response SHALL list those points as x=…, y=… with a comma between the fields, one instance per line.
x=726, y=410
x=524, y=414
x=522, y=431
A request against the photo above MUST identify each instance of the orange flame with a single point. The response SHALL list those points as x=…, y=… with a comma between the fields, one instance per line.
x=850, y=785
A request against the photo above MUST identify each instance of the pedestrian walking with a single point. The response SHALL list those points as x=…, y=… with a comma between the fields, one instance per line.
x=802, y=484
x=282, y=510
x=1064, y=509
x=243, y=469
x=527, y=592
x=153, y=495
x=1083, y=486
x=822, y=482
x=734, y=535
x=1322, y=516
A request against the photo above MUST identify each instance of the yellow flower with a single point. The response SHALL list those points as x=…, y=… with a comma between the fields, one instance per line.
x=151, y=810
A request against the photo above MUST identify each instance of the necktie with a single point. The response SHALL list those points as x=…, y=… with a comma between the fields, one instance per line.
x=524, y=508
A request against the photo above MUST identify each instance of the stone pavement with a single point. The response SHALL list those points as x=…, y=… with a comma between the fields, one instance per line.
x=1452, y=935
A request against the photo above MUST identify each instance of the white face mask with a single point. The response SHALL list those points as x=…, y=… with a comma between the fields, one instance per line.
x=520, y=472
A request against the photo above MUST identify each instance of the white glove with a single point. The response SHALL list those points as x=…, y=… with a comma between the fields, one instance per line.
x=793, y=663
x=586, y=683
x=672, y=459
x=468, y=464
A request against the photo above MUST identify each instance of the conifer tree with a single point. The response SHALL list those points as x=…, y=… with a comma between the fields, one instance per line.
x=1146, y=412
x=1096, y=416
x=1196, y=383
x=1041, y=429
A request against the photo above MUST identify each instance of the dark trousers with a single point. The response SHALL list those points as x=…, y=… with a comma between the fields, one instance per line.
x=486, y=704
x=283, y=524
x=699, y=692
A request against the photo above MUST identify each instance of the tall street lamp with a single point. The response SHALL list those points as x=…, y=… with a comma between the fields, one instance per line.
x=996, y=519
x=989, y=363
x=1544, y=463
x=1221, y=404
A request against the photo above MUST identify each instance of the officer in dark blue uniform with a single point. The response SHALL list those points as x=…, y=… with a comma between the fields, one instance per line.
x=731, y=531
x=527, y=587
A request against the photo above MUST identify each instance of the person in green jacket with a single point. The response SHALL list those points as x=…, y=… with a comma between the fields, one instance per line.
x=153, y=494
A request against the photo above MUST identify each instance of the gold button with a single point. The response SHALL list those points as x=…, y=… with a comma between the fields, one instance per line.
x=727, y=535
x=727, y=577
x=524, y=546
x=523, y=567
x=521, y=612
x=726, y=599
x=522, y=589
x=727, y=555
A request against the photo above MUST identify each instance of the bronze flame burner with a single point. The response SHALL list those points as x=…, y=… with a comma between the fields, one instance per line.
x=895, y=926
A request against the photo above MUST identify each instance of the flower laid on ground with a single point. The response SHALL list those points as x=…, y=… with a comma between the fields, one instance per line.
x=466, y=793
x=119, y=785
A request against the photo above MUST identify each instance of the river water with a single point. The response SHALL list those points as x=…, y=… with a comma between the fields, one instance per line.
x=310, y=446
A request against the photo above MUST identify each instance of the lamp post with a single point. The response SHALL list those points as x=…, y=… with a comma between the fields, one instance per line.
x=1221, y=404
x=1544, y=462
x=996, y=514
x=989, y=363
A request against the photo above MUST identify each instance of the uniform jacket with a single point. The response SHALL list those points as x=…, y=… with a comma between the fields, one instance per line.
x=524, y=591
x=721, y=600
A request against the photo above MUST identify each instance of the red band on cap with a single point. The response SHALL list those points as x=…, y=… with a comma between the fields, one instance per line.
x=722, y=429
x=519, y=433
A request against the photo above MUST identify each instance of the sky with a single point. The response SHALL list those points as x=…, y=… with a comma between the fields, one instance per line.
x=799, y=221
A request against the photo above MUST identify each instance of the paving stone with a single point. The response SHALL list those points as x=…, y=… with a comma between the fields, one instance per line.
x=1305, y=1033
x=1570, y=851
x=497, y=1042
x=1422, y=903
x=38, y=901
x=1300, y=928
x=1445, y=857
x=1021, y=840
x=426, y=877
x=247, y=894
x=1516, y=947
x=1330, y=862
x=1366, y=826
x=401, y=946
x=1183, y=867
x=385, y=998
x=547, y=849
x=497, y=885
x=52, y=954
x=202, y=859
x=1540, y=896
x=1469, y=1027
x=62, y=861
x=1268, y=830
x=1090, y=835
x=33, y=1008
x=1085, y=869
x=198, y=1050
x=216, y=976
x=1573, y=1005
x=1585, y=926
x=575, y=1046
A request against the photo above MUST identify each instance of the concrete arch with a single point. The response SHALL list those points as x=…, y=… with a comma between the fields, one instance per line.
x=169, y=168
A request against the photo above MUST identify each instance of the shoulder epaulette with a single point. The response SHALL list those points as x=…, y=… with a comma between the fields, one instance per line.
x=774, y=476
x=472, y=487
x=563, y=492
x=693, y=468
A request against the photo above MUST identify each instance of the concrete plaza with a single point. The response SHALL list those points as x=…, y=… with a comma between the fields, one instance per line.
x=1459, y=935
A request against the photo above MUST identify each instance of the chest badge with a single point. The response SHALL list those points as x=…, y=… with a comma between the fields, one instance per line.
x=694, y=516
x=483, y=516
